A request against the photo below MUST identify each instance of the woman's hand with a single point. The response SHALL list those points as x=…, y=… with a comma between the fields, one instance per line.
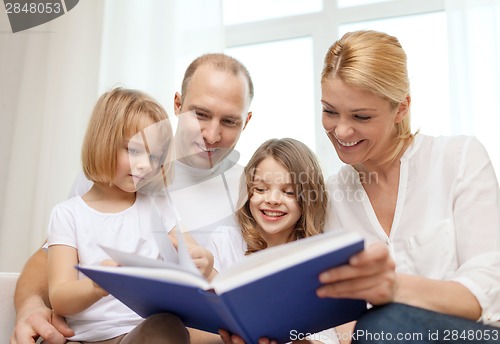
x=370, y=275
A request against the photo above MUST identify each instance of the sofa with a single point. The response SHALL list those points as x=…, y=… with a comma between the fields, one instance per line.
x=7, y=313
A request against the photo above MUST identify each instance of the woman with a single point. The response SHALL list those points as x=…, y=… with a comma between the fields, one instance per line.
x=434, y=201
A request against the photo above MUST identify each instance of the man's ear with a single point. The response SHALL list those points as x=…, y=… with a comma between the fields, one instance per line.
x=403, y=109
x=177, y=103
x=249, y=116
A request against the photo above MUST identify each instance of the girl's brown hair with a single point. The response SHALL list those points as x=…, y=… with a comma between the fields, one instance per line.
x=308, y=181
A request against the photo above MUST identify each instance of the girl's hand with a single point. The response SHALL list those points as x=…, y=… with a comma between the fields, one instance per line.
x=202, y=258
x=370, y=275
x=97, y=289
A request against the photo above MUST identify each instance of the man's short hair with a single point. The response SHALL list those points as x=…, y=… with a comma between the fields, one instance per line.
x=220, y=62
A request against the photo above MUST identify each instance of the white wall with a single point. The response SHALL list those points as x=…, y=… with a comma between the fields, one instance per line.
x=49, y=80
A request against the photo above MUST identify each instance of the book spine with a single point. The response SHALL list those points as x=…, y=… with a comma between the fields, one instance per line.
x=235, y=326
x=225, y=314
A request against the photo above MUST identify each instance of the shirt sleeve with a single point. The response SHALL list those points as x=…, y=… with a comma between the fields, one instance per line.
x=61, y=230
x=476, y=212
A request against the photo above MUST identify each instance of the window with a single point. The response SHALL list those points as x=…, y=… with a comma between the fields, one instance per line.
x=424, y=39
x=423, y=27
x=284, y=92
x=242, y=11
x=353, y=3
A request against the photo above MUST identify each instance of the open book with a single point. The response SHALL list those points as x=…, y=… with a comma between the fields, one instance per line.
x=271, y=293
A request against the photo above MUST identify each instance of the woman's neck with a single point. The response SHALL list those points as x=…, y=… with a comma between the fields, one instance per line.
x=374, y=171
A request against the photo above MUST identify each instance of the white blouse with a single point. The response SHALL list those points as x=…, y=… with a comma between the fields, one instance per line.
x=447, y=220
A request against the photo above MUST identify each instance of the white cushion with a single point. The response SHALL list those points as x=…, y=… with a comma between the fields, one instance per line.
x=7, y=312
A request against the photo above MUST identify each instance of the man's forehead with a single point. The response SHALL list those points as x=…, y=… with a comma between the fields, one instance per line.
x=209, y=79
x=207, y=110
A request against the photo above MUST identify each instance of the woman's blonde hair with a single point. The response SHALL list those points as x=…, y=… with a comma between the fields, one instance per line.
x=307, y=178
x=118, y=115
x=375, y=62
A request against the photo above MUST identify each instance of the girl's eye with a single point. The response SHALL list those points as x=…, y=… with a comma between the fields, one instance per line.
x=153, y=157
x=289, y=193
x=132, y=150
x=259, y=190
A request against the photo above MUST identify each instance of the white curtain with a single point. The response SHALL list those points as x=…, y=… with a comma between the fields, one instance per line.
x=50, y=79
x=474, y=45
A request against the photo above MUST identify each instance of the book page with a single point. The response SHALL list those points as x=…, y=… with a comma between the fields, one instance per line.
x=271, y=260
x=132, y=259
x=170, y=275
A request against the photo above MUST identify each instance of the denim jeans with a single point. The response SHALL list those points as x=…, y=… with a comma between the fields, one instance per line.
x=398, y=323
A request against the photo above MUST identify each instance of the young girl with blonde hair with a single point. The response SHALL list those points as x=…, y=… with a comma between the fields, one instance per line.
x=126, y=150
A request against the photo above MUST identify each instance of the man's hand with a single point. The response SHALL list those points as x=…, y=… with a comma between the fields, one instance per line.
x=370, y=275
x=36, y=320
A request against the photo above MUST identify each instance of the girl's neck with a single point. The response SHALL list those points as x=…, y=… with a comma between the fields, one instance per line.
x=108, y=198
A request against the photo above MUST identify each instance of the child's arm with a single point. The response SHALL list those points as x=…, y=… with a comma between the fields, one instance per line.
x=69, y=295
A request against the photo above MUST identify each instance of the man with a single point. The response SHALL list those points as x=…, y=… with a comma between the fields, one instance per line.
x=212, y=112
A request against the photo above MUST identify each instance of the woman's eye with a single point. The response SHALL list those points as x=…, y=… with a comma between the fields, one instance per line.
x=362, y=117
x=330, y=112
x=132, y=151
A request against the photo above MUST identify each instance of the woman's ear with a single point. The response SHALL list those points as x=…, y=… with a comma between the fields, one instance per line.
x=403, y=109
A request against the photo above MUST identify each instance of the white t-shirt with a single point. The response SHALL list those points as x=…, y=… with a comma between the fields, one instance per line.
x=204, y=199
x=447, y=220
x=228, y=246
x=74, y=223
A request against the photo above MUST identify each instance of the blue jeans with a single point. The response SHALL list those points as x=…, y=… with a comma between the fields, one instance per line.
x=398, y=323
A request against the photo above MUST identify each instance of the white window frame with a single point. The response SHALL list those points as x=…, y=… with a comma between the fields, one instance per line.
x=323, y=28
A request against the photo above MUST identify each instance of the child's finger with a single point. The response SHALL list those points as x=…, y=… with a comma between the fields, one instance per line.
x=173, y=238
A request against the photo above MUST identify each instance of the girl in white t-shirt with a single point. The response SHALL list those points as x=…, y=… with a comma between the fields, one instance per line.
x=286, y=201
x=126, y=148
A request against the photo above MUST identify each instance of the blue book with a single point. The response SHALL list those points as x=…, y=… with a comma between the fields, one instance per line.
x=271, y=293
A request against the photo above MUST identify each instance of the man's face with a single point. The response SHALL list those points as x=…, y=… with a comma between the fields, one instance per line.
x=211, y=117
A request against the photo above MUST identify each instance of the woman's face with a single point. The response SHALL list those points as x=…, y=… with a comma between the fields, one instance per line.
x=360, y=124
